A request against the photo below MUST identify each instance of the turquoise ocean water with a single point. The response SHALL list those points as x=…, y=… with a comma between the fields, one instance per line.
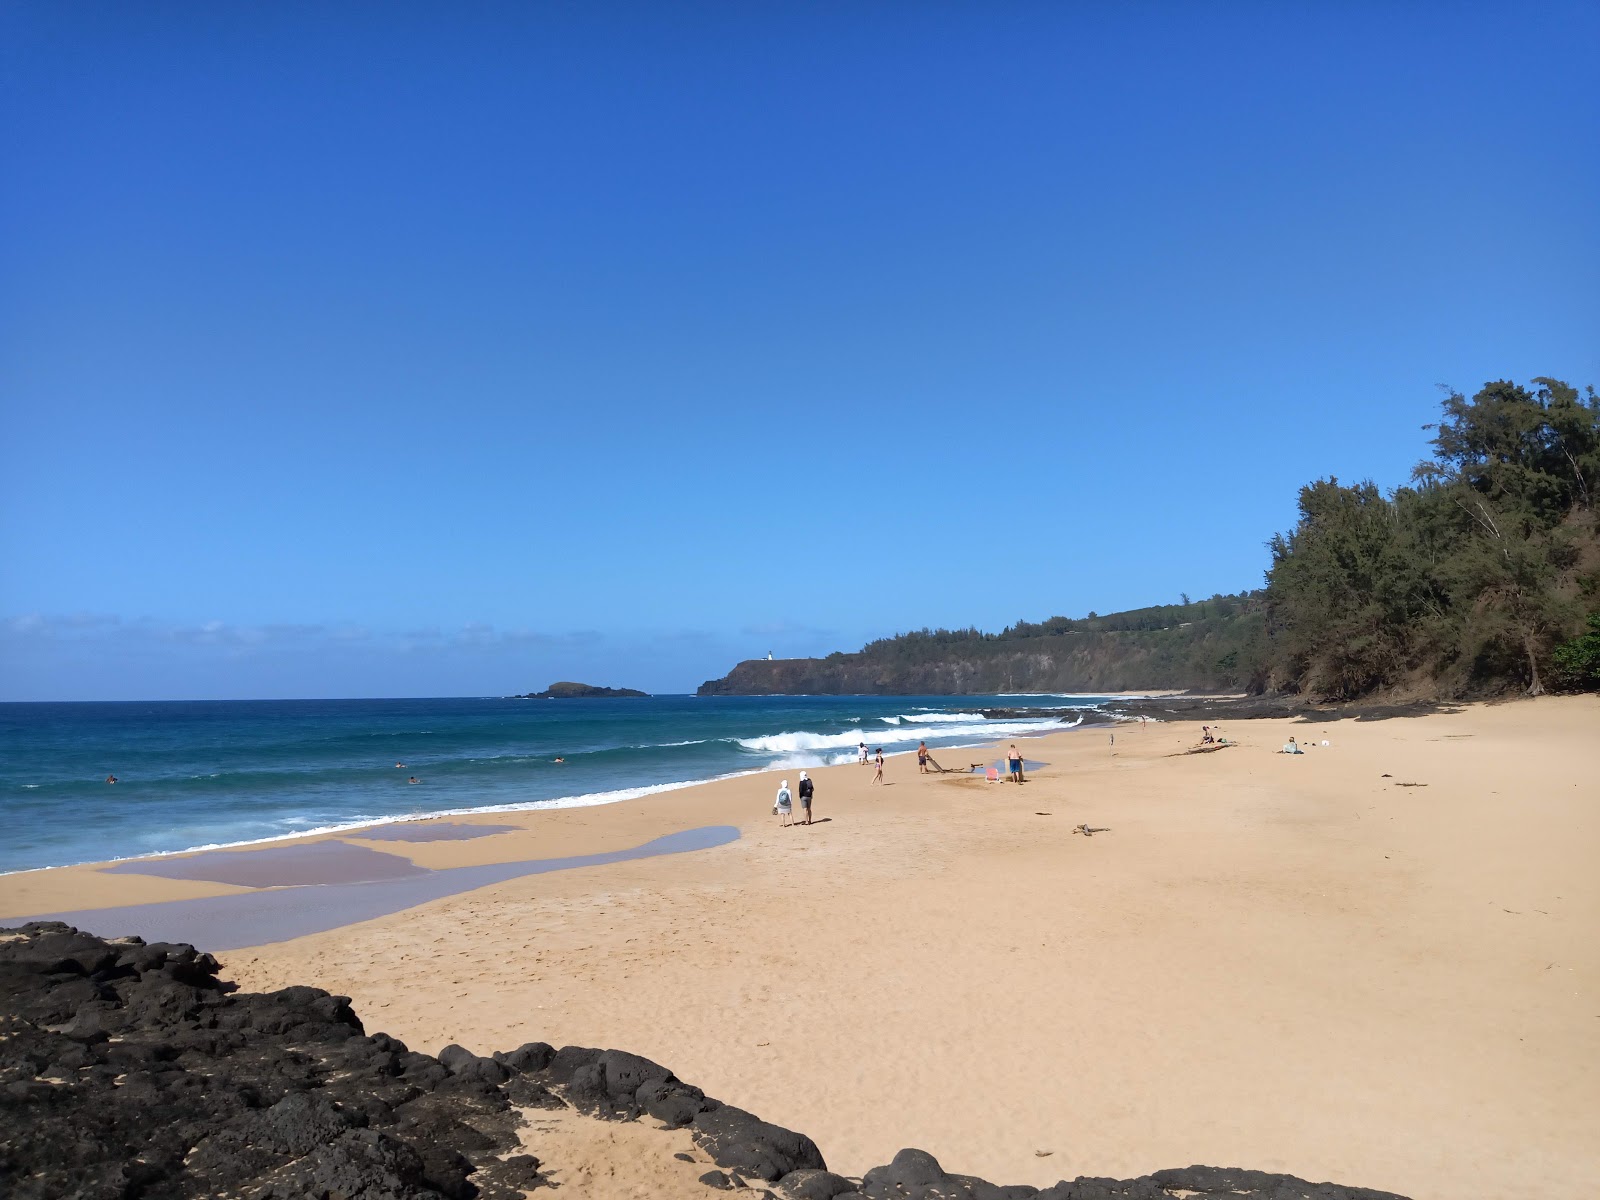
x=210, y=773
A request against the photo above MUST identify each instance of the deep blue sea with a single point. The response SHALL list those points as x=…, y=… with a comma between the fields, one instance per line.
x=209, y=773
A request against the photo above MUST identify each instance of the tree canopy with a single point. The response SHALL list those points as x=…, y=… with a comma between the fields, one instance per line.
x=1478, y=576
x=1464, y=582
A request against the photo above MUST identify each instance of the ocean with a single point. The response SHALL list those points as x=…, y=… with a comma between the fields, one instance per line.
x=202, y=774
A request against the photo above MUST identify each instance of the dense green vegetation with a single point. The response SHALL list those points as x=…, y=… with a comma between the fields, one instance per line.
x=1214, y=644
x=1464, y=582
x=1473, y=579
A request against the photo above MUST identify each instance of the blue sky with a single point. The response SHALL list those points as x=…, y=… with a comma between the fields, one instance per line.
x=364, y=349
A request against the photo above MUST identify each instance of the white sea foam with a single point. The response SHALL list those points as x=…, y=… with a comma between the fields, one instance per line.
x=937, y=718
x=894, y=720
x=799, y=740
x=587, y=800
x=796, y=749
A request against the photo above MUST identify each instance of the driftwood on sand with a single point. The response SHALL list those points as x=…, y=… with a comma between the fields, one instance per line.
x=1210, y=748
x=967, y=770
x=1089, y=830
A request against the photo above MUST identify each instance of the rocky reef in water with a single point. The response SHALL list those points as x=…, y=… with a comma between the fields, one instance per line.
x=582, y=691
x=132, y=1072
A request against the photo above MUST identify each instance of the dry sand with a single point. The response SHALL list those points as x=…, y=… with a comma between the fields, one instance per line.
x=1289, y=964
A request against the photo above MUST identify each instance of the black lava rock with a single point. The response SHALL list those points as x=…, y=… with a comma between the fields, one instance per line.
x=737, y=1139
x=130, y=1071
x=807, y=1184
x=207, y=1091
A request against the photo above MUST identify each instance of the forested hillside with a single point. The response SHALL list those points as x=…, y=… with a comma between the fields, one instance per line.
x=1476, y=578
x=1206, y=645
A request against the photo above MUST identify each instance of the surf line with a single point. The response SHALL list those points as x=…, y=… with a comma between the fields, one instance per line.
x=260, y=918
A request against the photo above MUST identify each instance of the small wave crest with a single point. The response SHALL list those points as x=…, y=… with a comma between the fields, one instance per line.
x=802, y=740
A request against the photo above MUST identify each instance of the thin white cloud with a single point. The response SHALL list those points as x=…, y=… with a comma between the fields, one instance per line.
x=40, y=628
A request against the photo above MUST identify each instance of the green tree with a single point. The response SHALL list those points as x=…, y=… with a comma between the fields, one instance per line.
x=1469, y=578
x=1577, y=662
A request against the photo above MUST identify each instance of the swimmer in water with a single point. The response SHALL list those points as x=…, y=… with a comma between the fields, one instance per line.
x=111, y=778
x=413, y=779
x=399, y=766
x=559, y=760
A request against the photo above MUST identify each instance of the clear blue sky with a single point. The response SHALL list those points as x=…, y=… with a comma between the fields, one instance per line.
x=381, y=349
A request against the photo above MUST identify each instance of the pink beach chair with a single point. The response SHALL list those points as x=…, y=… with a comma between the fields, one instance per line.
x=992, y=774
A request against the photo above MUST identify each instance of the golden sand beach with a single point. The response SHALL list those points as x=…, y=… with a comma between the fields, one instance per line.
x=1376, y=963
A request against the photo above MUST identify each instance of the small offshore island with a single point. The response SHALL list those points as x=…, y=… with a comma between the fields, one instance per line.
x=583, y=691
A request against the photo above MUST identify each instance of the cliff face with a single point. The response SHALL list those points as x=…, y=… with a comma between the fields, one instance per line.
x=1213, y=654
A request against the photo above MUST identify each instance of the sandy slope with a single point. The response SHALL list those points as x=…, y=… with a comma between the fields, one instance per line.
x=1283, y=963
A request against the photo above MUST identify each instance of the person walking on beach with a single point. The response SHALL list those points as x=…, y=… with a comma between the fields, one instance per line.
x=862, y=749
x=922, y=757
x=877, y=775
x=784, y=806
x=1014, y=762
x=807, y=790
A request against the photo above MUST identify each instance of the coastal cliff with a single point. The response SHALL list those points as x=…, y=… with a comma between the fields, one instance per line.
x=1210, y=645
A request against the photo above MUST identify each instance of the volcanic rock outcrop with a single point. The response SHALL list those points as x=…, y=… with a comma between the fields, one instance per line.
x=130, y=1070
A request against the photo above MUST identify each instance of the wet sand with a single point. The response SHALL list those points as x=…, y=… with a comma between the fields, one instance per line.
x=1287, y=963
x=319, y=898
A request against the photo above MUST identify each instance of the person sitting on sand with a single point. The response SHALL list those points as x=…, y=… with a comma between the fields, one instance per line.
x=807, y=790
x=877, y=775
x=1205, y=735
x=1291, y=747
x=784, y=805
x=1014, y=763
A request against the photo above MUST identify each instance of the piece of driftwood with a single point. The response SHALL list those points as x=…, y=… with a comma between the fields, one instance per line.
x=1397, y=783
x=1207, y=749
x=1089, y=830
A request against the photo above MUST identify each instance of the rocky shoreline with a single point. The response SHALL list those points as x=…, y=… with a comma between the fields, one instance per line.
x=131, y=1070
